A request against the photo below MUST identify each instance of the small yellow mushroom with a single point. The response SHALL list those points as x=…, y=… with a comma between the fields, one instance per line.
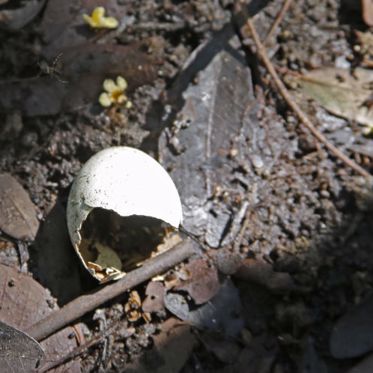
x=114, y=93
x=98, y=20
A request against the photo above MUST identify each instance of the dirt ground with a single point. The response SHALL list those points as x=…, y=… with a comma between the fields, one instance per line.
x=260, y=191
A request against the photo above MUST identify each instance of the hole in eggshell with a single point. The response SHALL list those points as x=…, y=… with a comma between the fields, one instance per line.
x=119, y=243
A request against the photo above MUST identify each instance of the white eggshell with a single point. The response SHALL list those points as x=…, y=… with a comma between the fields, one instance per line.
x=124, y=180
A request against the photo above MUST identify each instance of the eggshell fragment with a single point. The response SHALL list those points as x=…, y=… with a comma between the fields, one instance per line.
x=124, y=180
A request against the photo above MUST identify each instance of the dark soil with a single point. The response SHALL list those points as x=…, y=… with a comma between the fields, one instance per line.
x=307, y=215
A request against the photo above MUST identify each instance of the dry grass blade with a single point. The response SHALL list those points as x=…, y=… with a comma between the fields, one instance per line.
x=285, y=7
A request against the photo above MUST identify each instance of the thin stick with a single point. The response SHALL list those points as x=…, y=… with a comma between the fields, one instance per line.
x=278, y=20
x=261, y=51
x=77, y=350
x=85, y=303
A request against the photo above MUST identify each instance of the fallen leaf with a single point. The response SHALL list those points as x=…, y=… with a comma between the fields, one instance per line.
x=17, y=212
x=341, y=93
x=24, y=303
x=262, y=273
x=196, y=147
x=85, y=67
x=19, y=353
x=63, y=25
x=221, y=314
x=14, y=18
x=154, y=301
x=203, y=282
x=356, y=327
x=172, y=347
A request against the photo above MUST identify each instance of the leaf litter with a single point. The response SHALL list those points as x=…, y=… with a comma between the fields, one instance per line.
x=25, y=302
x=290, y=190
x=343, y=93
x=18, y=215
x=18, y=351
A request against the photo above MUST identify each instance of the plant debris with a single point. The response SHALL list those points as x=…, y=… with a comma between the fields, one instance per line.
x=202, y=282
x=278, y=255
x=25, y=302
x=18, y=351
x=341, y=92
x=221, y=314
x=18, y=215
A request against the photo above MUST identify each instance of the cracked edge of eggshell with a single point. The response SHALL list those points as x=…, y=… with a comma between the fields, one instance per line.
x=124, y=180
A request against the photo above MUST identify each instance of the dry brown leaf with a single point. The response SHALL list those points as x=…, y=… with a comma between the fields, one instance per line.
x=85, y=67
x=17, y=212
x=203, y=282
x=221, y=314
x=341, y=93
x=172, y=347
x=18, y=351
x=24, y=303
x=262, y=273
x=63, y=25
x=154, y=301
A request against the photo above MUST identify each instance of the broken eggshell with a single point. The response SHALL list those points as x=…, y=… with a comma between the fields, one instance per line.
x=125, y=181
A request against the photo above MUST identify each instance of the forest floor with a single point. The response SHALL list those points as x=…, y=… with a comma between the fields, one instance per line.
x=288, y=223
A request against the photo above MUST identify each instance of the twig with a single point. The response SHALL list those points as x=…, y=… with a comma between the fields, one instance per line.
x=261, y=51
x=277, y=21
x=77, y=351
x=85, y=303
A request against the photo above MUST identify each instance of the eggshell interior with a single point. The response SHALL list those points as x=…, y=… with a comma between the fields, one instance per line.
x=124, y=180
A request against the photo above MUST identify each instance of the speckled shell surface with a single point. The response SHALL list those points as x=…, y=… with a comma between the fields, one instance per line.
x=124, y=180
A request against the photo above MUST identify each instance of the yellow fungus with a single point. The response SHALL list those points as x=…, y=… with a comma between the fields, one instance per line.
x=98, y=20
x=114, y=93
